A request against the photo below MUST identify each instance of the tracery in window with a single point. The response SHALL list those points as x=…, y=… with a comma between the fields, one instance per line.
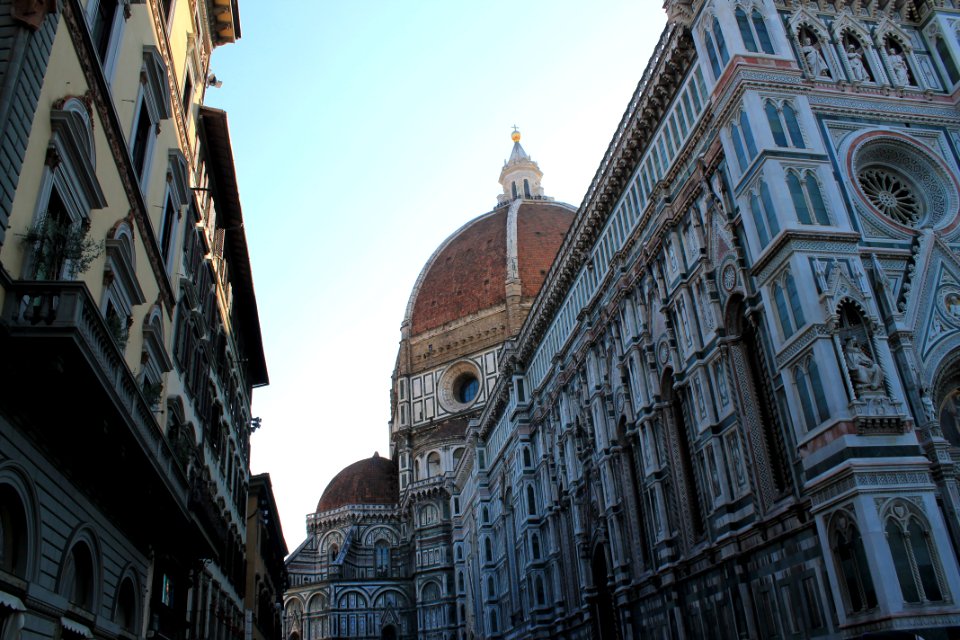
x=743, y=143
x=716, y=46
x=787, y=299
x=892, y=193
x=813, y=401
x=914, y=555
x=753, y=30
x=782, y=118
x=763, y=214
x=807, y=197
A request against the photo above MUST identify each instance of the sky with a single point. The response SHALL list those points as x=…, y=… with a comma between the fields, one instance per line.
x=364, y=133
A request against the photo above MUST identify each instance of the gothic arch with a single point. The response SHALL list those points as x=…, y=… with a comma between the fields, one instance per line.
x=758, y=412
x=362, y=602
x=317, y=602
x=378, y=532
x=682, y=460
x=942, y=395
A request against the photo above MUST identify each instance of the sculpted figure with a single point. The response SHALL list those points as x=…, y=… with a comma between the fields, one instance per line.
x=816, y=63
x=855, y=60
x=898, y=65
x=865, y=373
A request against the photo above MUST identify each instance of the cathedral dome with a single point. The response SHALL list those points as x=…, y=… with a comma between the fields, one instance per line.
x=495, y=260
x=369, y=481
x=470, y=272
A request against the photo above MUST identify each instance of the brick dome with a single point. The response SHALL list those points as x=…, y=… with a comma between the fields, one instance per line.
x=369, y=481
x=468, y=273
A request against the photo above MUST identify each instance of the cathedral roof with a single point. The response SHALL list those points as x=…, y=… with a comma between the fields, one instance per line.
x=369, y=481
x=470, y=271
x=515, y=244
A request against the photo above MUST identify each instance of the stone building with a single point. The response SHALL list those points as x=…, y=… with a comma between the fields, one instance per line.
x=266, y=575
x=728, y=406
x=128, y=325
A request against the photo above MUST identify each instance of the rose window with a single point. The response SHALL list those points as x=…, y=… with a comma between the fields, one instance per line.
x=899, y=180
x=892, y=194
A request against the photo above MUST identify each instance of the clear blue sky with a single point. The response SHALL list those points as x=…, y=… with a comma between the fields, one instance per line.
x=364, y=133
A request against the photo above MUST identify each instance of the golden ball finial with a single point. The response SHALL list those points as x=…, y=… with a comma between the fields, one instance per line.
x=515, y=136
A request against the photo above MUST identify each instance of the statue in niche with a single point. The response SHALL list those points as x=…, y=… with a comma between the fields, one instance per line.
x=857, y=68
x=815, y=62
x=898, y=66
x=929, y=411
x=952, y=305
x=866, y=374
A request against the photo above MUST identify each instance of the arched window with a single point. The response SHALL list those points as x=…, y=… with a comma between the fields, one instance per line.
x=946, y=59
x=813, y=401
x=125, y=614
x=487, y=550
x=535, y=546
x=77, y=577
x=760, y=27
x=716, y=47
x=531, y=501
x=753, y=30
x=513, y=189
x=527, y=462
x=491, y=588
x=744, y=144
x=381, y=551
x=457, y=456
x=541, y=592
x=856, y=582
x=433, y=464
x=914, y=556
x=678, y=420
x=494, y=627
x=526, y=188
x=807, y=198
x=783, y=122
x=13, y=532
x=789, y=315
x=776, y=124
x=334, y=552
x=763, y=214
x=460, y=588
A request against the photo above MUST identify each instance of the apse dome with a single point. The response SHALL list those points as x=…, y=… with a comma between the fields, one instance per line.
x=369, y=481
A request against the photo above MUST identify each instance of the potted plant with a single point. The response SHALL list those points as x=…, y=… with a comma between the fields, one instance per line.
x=61, y=249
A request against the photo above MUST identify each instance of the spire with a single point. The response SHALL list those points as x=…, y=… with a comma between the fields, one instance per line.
x=520, y=176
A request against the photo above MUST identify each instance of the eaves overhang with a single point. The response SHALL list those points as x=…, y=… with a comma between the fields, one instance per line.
x=215, y=137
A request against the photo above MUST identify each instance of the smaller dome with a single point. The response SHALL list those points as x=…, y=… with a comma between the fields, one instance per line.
x=370, y=481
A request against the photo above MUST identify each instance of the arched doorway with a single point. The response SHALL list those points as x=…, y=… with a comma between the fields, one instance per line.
x=389, y=632
x=604, y=621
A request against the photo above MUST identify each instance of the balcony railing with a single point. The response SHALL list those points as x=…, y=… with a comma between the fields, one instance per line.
x=58, y=310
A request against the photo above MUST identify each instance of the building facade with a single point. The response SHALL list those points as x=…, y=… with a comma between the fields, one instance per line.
x=266, y=576
x=128, y=324
x=728, y=406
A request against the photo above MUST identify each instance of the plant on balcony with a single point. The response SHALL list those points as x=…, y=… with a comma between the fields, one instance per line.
x=151, y=393
x=118, y=330
x=61, y=248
